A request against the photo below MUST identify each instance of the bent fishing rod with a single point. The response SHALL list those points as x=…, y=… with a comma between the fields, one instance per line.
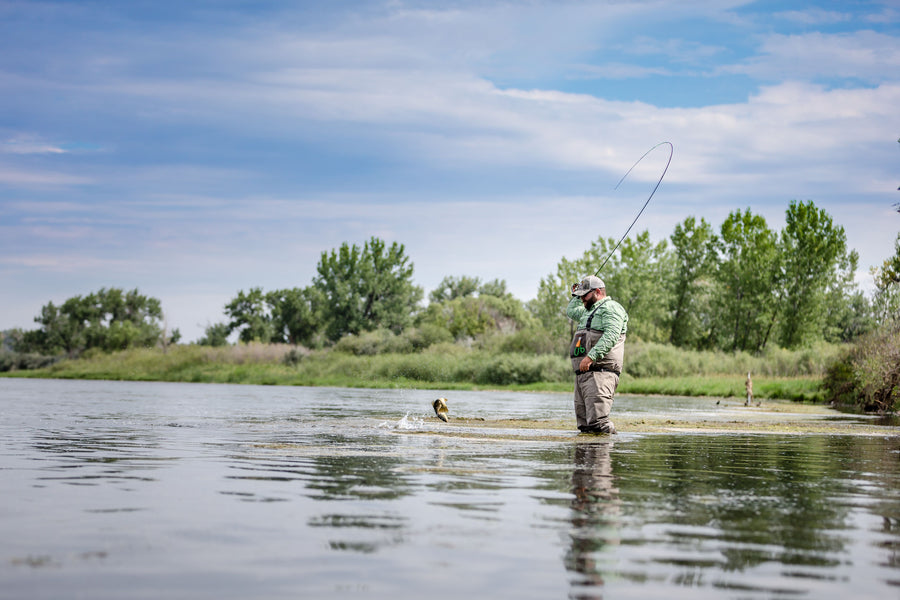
x=640, y=212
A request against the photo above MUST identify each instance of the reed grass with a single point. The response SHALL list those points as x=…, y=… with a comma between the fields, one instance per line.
x=650, y=369
x=800, y=388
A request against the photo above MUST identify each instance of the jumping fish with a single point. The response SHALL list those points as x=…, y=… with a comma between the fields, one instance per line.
x=440, y=409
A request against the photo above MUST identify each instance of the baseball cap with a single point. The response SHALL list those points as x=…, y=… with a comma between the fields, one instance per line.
x=591, y=282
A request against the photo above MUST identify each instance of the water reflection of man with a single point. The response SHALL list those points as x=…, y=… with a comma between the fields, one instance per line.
x=595, y=517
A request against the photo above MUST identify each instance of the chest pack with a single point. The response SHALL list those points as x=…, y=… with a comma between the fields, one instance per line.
x=585, y=339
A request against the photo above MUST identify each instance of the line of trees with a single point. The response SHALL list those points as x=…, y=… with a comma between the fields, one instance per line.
x=743, y=287
x=355, y=289
x=359, y=289
x=110, y=319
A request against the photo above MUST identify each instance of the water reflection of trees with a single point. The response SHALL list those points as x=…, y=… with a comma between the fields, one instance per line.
x=766, y=498
x=90, y=456
x=364, y=479
x=367, y=477
x=735, y=502
x=335, y=468
x=701, y=510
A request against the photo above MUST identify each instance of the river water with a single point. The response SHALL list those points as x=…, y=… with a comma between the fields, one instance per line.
x=159, y=490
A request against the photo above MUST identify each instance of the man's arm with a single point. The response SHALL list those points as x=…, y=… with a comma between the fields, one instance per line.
x=575, y=309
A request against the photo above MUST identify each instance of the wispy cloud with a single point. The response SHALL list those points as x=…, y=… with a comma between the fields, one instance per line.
x=29, y=145
x=863, y=55
x=39, y=179
x=815, y=16
x=66, y=263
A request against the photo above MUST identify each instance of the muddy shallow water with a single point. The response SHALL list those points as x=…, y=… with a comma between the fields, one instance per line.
x=149, y=490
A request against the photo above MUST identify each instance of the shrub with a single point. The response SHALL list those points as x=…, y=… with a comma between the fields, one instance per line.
x=509, y=369
x=23, y=361
x=296, y=354
x=645, y=359
x=868, y=375
x=384, y=341
x=370, y=343
x=215, y=335
x=447, y=349
x=532, y=340
x=240, y=354
x=471, y=316
x=416, y=367
x=425, y=336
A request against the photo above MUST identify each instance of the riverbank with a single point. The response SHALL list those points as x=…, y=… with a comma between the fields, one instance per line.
x=451, y=370
x=708, y=416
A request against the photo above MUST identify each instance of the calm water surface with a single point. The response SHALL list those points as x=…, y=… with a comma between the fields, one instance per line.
x=155, y=490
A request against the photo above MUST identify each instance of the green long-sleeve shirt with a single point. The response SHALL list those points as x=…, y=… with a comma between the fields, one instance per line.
x=610, y=318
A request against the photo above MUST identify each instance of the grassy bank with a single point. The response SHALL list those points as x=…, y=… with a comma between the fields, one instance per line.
x=650, y=369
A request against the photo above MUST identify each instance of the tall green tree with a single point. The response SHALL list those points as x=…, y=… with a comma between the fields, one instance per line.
x=555, y=290
x=367, y=288
x=693, y=245
x=296, y=314
x=452, y=287
x=812, y=247
x=886, y=299
x=249, y=314
x=553, y=294
x=747, y=276
x=473, y=316
x=637, y=276
x=109, y=319
x=847, y=311
x=889, y=272
x=58, y=332
x=215, y=335
x=494, y=287
x=463, y=286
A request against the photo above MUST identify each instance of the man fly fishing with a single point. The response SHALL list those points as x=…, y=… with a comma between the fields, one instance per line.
x=597, y=351
x=598, y=348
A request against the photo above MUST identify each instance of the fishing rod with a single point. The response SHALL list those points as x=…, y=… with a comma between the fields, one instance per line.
x=671, y=152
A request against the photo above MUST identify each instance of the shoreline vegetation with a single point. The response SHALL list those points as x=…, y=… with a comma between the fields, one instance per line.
x=713, y=307
x=650, y=369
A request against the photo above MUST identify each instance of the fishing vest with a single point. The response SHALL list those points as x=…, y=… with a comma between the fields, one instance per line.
x=587, y=338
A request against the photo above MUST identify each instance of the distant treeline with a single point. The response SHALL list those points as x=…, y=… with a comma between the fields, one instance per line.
x=741, y=288
x=107, y=320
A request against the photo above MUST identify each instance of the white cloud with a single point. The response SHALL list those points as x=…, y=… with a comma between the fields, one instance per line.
x=862, y=55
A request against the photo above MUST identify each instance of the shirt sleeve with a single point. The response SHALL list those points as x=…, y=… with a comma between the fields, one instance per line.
x=575, y=309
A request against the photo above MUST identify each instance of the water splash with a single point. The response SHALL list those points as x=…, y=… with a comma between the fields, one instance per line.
x=406, y=423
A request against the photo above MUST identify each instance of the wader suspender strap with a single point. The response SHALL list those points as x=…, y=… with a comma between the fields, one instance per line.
x=591, y=318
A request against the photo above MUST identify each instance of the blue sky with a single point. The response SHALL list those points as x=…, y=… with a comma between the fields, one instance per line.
x=194, y=149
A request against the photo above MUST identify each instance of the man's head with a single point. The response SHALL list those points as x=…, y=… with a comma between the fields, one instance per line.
x=590, y=290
